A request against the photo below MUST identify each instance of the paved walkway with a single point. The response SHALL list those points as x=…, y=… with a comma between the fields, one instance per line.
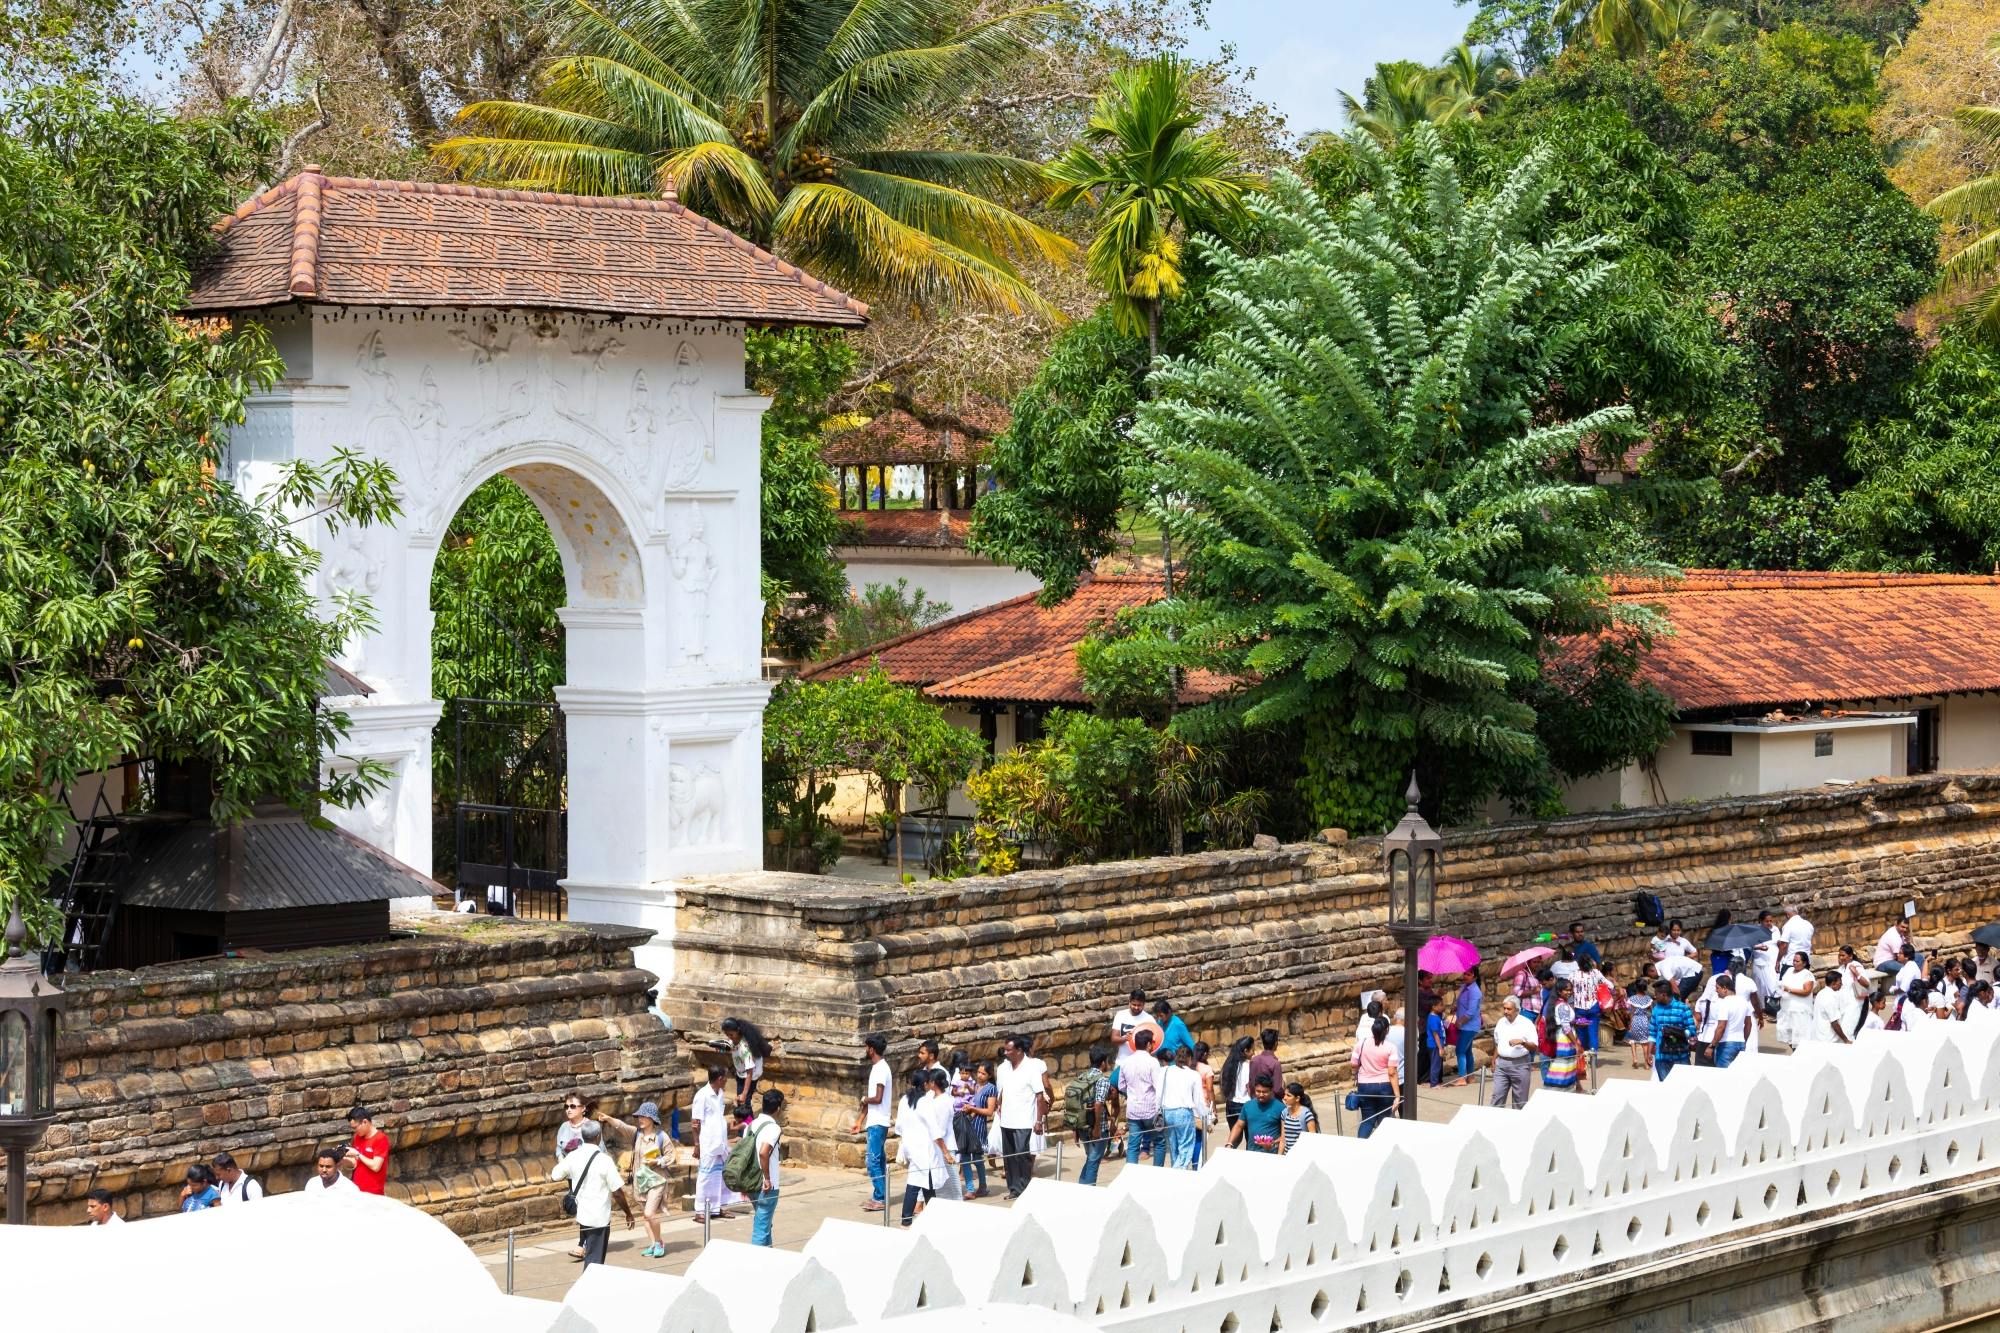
x=542, y=1266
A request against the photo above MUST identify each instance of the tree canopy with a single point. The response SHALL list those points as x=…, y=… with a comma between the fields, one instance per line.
x=1380, y=543
x=147, y=610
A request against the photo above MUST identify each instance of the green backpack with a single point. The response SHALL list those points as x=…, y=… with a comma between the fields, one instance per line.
x=743, y=1172
x=1079, y=1095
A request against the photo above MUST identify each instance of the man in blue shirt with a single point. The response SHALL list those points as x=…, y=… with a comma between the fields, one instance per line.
x=1582, y=949
x=1673, y=1029
x=1174, y=1033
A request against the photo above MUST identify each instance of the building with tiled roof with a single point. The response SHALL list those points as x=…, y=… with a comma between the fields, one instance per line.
x=1001, y=669
x=1784, y=680
x=343, y=240
x=907, y=490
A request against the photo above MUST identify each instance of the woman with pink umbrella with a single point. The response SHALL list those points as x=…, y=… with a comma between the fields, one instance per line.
x=1447, y=955
x=1523, y=968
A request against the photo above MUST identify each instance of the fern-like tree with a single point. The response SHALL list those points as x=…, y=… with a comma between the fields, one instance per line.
x=787, y=122
x=1380, y=540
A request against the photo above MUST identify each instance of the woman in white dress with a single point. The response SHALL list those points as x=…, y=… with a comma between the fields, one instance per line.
x=1795, y=1007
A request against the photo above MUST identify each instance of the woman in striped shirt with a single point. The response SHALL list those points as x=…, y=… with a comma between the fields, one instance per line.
x=1299, y=1117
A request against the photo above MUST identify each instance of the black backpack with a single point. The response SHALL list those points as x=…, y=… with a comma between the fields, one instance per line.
x=1674, y=1040
x=1647, y=909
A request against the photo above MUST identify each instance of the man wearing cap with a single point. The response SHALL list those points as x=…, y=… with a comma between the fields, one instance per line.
x=594, y=1182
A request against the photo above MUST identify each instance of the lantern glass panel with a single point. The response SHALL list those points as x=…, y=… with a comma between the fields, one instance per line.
x=13, y=1063
x=42, y=1081
x=1399, y=888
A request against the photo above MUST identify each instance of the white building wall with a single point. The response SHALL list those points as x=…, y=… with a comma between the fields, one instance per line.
x=1969, y=732
x=638, y=444
x=964, y=581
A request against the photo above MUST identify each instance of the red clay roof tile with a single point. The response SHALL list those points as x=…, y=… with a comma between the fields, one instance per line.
x=929, y=529
x=1755, y=638
x=340, y=240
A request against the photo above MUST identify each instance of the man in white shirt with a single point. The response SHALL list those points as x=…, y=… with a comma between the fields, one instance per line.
x=234, y=1182
x=97, y=1206
x=326, y=1177
x=1132, y=1016
x=711, y=1137
x=1891, y=943
x=1515, y=1043
x=1139, y=1084
x=1797, y=933
x=1025, y=1096
x=767, y=1133
x=1680, y=970
x=874, y=1118
x=1734, y=1020
x=1982, y=962
x=594, y=1180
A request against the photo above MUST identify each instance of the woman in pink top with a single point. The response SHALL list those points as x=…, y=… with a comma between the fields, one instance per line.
x=1377, y=1077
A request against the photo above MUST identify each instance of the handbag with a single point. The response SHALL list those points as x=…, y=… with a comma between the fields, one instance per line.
x=569, y=1195
x=1354, y=1101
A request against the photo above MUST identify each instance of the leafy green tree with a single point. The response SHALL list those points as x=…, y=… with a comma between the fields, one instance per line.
x=785, y=122
x=1929, y=495
x=146, y=607
x=1468, y=83
x=1394, y=100
x=881, y=611
x=803, y=585
x=817, y=730
x=1381, y=546
x=1524, y=29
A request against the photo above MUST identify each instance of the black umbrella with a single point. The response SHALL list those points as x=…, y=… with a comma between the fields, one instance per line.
x=1738, y=935
x=1987, y=935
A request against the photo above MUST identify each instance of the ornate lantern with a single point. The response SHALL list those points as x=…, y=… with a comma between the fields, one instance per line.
x=31, y=1009
x=1410, y=855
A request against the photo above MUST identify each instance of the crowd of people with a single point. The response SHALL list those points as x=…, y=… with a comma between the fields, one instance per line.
x=220, y=1181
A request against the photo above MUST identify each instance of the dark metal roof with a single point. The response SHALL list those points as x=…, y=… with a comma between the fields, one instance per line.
x=337, y=681
x=287, y=862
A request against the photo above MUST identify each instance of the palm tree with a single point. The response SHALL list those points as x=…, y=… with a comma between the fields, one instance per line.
x=1623, y=26
x=1686, y=21
x=1396, y=100
x=1149, y=171
x=1467, y=84
x=1973, y=267
x=782, y=119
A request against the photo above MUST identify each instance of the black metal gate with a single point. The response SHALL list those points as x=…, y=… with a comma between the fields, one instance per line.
x=509, y=785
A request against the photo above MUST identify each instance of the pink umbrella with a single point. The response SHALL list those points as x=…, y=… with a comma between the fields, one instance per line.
x=1447, y=955
x=1523, y=960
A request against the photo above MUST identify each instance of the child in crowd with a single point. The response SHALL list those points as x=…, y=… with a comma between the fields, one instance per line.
x=1434, y=1040
x=1639, y=1036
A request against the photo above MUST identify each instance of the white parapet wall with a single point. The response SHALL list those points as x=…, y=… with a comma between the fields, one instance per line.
x=1420, y=1225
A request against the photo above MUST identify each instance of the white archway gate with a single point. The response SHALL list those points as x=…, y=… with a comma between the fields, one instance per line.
x=624, y=418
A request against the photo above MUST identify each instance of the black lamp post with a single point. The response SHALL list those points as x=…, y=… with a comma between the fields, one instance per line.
x=1410, y=855
x=31, y=1010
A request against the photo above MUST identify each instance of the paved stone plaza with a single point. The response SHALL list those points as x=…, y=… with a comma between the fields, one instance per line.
x=543, y=1268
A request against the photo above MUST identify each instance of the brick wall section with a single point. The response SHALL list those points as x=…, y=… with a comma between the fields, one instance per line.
x=1287, y=938
x=463, y=1037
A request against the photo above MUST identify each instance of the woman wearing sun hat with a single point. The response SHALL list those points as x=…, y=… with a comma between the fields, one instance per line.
x=652, y=1155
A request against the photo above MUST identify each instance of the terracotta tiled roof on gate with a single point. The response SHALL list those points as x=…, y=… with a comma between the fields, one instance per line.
x=1013, y=651
x=1756, y=638
x=926, y=529
x=342, y=240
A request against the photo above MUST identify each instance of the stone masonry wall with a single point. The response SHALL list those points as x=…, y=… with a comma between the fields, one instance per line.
x=1287, y=938
x=463, y=1037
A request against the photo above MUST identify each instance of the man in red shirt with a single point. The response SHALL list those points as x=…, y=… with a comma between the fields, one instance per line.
x=370, y=1153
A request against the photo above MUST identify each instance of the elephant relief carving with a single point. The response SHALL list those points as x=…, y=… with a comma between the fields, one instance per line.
x=695, y=799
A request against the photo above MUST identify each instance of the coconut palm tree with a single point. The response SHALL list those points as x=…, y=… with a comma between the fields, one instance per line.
x=1686, y=21
x=1150, y=172
x=1397, y=100
x=1623, y=26
x=1974, y=268
x=1467, y=84
x=784, y=121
